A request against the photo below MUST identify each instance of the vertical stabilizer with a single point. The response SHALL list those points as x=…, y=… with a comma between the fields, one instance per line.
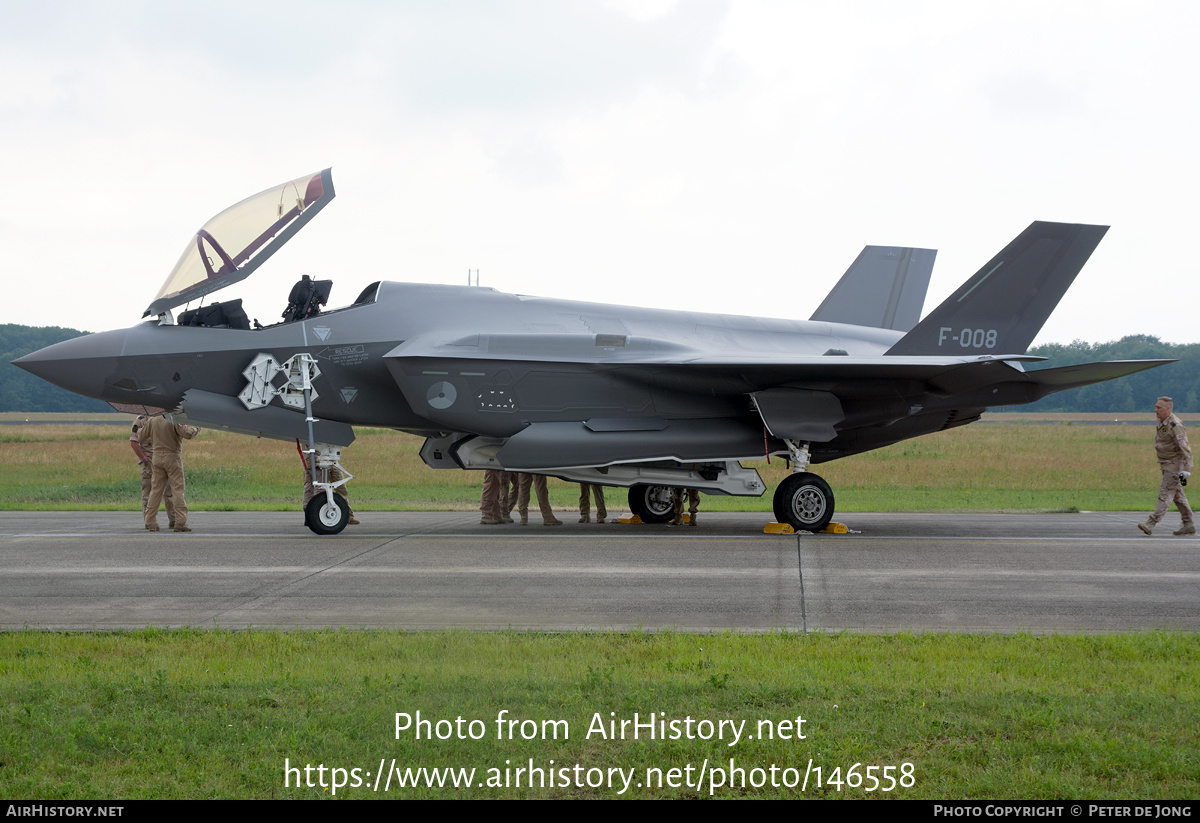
x=1003, y=307
x=884, y=288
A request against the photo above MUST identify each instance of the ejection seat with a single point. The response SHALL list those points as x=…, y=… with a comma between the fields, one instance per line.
x=306, y=298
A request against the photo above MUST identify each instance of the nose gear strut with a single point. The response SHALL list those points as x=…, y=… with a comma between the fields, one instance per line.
x=292, y=382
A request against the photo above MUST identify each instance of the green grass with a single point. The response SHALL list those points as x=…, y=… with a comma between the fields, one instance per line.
x=1011, y=466
x=213, y=714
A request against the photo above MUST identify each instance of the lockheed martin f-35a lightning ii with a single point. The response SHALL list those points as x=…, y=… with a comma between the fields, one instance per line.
x=645, y=399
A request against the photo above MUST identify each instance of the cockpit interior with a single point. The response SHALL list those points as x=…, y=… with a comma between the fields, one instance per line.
x=231, y=245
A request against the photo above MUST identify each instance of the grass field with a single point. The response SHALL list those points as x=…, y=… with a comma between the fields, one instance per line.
x=213, y=714
x=1021, y=465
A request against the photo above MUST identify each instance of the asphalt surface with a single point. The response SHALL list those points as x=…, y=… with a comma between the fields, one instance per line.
x=1089, y=572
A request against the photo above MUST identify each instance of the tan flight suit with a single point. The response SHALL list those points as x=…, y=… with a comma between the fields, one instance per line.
x=692, y=509
x=1174, y=456
x=508, y=495
x=587, y=490
x=148, y=471
x=166, y=439
x=489, y=501
x=538, y=481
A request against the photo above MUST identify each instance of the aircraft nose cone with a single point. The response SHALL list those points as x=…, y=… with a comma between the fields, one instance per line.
x=78, y=365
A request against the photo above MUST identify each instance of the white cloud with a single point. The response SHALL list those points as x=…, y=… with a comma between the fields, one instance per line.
x=722, y=156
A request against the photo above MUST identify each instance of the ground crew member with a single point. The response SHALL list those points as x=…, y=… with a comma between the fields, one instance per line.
x=1175, y=459
x=166, y=440
x=508, y=495
x=538, y=481
x=145, y=455
x=489, y=501
x=694, y=507
x=587, y=490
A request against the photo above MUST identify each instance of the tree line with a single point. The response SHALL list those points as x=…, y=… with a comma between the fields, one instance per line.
x=22, y=392
x=1135, y=393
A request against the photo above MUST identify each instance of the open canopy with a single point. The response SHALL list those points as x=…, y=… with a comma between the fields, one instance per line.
x=230, y=246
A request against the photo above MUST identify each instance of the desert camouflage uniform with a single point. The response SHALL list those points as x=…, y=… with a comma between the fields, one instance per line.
x=1174, y=456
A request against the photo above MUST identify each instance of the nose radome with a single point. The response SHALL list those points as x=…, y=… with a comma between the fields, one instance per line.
x=79, y=365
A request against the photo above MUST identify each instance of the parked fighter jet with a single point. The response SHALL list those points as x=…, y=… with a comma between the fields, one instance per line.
x=638, y=398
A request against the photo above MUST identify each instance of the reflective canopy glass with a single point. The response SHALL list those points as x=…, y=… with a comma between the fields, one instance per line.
x=231, y=245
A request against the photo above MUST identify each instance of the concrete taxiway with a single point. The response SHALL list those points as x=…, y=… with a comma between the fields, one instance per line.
x=1089, y=572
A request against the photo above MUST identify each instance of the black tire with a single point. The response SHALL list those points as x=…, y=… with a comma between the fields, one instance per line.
x=654, y=504
x=323, y=518
x=804, y=501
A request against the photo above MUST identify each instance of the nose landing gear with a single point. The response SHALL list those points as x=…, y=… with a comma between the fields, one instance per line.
x=327, y=513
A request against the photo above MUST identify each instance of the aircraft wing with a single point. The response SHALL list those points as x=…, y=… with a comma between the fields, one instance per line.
x=620, y=350
x=651, y=360
x=511, y=381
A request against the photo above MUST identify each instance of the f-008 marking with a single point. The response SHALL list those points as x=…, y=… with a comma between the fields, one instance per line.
x=969, y=338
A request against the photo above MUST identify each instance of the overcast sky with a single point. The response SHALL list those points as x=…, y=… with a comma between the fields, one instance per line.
x=712, y=155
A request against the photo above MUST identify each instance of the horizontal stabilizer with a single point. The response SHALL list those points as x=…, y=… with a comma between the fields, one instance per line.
x=884, y=288
x=999, y=384
x=1006, y=303
x=1062, y=378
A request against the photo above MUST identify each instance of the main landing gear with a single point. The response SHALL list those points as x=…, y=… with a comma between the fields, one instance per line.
x=654, y=504
x=803, y=500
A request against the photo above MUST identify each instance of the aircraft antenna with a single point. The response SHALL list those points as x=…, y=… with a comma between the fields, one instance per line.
x=473, y=277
